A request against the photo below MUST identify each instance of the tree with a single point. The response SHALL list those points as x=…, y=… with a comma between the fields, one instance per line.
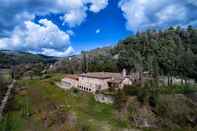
x=37, y=69
x=120, y=100
x=171, y=52
x=187, y=64
x=84, y=63
x=3, y=88
x=30, y=73
x=139, y=66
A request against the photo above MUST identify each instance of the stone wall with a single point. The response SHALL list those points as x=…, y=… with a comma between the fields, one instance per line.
x=70, y=82
x=104, y=98
x=93, y=84
x=175, y=81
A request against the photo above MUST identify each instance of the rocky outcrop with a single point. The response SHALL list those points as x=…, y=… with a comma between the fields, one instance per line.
x=104, y=98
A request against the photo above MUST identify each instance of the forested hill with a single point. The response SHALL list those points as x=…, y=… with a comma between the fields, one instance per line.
x=8, y=58
x=171, y=52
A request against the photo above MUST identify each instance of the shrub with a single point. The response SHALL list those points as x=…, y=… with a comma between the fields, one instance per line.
x=120, y=99
x=177, y=109
x=46, y=76
x=153, y=100
x=131, y=90
x=3, y=87
x=75, y=91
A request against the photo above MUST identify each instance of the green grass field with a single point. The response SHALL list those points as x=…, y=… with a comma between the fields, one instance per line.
x=41, y=106
x=5, y=73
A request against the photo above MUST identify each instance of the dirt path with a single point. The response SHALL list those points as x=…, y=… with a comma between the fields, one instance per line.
x=6, y=97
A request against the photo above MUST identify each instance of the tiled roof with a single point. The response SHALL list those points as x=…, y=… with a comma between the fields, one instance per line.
x=116, y=81
x=75, y=77
x=102, y=75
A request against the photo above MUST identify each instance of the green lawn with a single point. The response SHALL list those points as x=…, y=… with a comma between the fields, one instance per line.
x=41, y=100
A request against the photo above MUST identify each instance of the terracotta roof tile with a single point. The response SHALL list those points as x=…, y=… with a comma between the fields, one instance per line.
x=102, y=75
x=70, y=76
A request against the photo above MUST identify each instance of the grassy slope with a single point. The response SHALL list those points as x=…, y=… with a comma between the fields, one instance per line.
x=5, y=73
x=42, y=97
x=41, y=100
x=5, y=78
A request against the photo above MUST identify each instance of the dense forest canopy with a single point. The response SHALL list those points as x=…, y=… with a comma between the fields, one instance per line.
x=170, y=52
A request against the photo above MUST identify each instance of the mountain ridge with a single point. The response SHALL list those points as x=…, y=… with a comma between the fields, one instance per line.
x=11, y=57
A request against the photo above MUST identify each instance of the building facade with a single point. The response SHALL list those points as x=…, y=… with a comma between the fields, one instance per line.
x=97, y=81
x=70, y=81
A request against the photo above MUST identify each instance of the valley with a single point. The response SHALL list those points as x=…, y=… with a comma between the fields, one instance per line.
x=150, y=79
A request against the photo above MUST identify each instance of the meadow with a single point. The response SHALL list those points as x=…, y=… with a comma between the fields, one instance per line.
x=40, y=105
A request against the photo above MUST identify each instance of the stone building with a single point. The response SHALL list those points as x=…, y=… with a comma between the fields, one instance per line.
x=70, y=81
x=96, y=81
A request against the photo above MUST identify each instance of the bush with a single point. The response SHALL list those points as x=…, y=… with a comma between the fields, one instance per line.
x=47, y=76
x=175, y=89
x=153, y=100
x=131, y=90
x=138, y=91
x=176, y=109
x=120, y=99
x=75, y=91
x=3, y=88
x=142, y=92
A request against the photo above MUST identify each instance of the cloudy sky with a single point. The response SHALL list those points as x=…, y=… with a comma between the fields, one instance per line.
x=64, y=27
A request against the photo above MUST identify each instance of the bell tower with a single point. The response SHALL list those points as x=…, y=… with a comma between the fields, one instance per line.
x=124, y=73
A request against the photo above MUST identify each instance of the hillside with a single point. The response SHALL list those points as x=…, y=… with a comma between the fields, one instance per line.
x=146, y=104
x=42, y=103
x=99, y=59
x=168, y=52
x=15, y=57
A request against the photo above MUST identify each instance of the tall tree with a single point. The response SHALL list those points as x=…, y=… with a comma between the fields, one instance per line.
x=84, y=63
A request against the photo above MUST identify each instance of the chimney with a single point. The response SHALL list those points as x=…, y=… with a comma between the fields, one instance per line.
x=124, y=73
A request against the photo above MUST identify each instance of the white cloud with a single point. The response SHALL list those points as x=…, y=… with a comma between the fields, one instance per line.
x=97, y=5
x=15, y=12
x=74, y=17
x=169, y=13
x=70, y=32
x=45, y=38
x=98, y=31
x=52, y=52
x=18, y=32
x=143, y=14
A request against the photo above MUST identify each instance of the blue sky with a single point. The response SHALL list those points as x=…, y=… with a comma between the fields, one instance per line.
x=109, y=21
x=109, y=24
x=65, y=27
